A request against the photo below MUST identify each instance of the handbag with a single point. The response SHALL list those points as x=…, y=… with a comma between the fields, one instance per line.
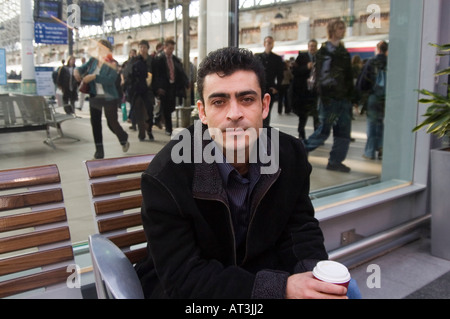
x=84, y=87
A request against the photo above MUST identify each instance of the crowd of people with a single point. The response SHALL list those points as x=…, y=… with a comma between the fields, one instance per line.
x=149, y=81
x=327, y=84
x=323, y=83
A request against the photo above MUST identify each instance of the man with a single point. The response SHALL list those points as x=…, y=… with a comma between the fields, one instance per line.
x=373, y=82
x=304, y=96
x=335, y=87
x=170, y=81
x=274, y=68
x=226, y=228
x=147, y=99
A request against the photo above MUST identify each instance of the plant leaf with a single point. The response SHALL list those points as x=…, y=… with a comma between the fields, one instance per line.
x=443, y=72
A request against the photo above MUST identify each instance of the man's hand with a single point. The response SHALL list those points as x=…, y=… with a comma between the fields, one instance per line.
x=305, y=286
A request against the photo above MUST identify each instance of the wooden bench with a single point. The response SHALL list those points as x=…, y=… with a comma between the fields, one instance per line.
x=115, y=193
x=21, y=113
x=35, y=246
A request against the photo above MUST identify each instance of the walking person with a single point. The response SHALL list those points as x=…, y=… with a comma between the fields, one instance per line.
x=373, y=81
x=169, y=80
x=274, y=68
x=131, y=118
x=138, y=81
x=101, y=74
x=335, y=87
x=304, y=93
x=68, y=85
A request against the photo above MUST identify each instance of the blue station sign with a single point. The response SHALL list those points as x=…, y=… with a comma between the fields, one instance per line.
x=50, y=33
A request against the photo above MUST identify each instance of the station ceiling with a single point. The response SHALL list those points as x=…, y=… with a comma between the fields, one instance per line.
x=10, y=14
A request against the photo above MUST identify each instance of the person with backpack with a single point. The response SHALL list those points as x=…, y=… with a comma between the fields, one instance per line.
x=334, y=82
x=372, y=81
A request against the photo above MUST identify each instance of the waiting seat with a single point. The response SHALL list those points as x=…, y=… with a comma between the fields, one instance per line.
x=115, y=194
x=36, y=255
x=115, y=277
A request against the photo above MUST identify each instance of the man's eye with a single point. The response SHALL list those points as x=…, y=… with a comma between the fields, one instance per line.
x=217, y=102
x=248, y=99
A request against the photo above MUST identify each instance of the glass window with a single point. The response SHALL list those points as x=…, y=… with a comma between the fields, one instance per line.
x=399, y=22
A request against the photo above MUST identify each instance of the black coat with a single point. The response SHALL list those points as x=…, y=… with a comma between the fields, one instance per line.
x=274, y=69
x=301, y=73
x=340, y=71
x=161, y=75
x=188, y=225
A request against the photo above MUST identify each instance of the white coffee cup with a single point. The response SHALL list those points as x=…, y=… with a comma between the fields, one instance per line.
x=332, y=271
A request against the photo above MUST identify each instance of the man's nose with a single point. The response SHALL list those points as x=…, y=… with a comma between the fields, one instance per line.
x=234, y=111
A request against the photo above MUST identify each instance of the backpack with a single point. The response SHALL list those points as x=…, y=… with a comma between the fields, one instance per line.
x=379, y=88
x=373, y=79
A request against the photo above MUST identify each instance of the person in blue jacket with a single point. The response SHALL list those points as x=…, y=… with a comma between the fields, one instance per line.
x=100, y=73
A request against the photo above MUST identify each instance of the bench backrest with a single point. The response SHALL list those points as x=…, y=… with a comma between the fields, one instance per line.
x=24, y=110
x=115, y=193
x=35, y=246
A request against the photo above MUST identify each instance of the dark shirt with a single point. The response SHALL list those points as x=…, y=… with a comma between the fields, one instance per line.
x=239, y=189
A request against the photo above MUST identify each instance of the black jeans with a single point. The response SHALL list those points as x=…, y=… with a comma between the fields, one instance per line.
x=96, y=104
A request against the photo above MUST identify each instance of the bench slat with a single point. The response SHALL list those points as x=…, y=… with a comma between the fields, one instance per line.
x=118, y=166
x=24, y=220
x=117, y=204
x=128, y=239
x=21, y=200
x=15, y=178
x=34, y=239
x=115, y=223
x=37, y=259
x=116, y=186
x=42, y=279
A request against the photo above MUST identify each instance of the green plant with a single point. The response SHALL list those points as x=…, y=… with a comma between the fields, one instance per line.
x=438, y=113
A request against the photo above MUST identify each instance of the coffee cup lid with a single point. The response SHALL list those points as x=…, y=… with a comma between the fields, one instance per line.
x=331, y=271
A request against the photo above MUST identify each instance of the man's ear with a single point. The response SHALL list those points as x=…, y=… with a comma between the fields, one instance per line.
x=202, y=112
x=265, y=105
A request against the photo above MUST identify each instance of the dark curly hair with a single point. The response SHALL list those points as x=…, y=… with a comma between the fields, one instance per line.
x=225, y=62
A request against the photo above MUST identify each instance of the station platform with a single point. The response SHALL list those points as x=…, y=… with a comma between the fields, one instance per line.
x=409, y=271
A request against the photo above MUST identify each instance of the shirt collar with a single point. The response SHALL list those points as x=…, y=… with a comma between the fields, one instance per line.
x=226, y=169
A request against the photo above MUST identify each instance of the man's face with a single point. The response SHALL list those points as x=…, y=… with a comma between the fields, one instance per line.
x=143, y=50
x=233, y=106
x=339, y=32
x=312, y=47
x=168, y=49
x=268, y=44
